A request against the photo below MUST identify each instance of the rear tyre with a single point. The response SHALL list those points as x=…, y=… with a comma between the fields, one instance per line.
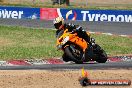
x=76, y=57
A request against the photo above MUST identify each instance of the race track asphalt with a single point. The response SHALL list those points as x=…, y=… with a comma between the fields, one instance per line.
x=119, y=28
x=102, y=66
x=106, y=27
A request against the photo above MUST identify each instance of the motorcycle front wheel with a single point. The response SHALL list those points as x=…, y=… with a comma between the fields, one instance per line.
x=101, y=56
x=75, y=53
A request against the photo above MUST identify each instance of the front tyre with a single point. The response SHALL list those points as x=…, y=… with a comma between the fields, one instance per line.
x=65, y=58
x=74, y=56
x=101, y=56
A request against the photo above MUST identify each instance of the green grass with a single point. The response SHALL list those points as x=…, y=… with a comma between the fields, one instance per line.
x=19, y=43
x=25, y=43
x=115, y=45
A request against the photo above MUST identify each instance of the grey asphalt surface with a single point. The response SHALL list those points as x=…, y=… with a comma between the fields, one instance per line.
x=102, y=66
x=107, y=27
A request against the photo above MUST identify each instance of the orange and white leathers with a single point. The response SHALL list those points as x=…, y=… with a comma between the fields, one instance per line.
x=72, y=37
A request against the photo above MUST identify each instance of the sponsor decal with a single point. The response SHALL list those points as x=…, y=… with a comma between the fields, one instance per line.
x=86, y=81
x=19, y=13
x=97, y=15
x=105, y=17
x=10, y=14
x=71, y=12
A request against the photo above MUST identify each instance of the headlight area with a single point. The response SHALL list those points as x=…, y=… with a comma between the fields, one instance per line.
x=65, y=40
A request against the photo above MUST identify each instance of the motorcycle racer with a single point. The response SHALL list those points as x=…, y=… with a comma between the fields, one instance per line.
x=70, y=40
x=59, y=24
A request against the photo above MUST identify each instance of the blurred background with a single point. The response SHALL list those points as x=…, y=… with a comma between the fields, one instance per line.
x=92, y=4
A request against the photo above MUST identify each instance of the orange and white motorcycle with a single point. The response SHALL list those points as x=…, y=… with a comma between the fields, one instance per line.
x=78, y=50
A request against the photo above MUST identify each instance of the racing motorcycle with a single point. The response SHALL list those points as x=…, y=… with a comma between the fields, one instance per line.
x=76, y=49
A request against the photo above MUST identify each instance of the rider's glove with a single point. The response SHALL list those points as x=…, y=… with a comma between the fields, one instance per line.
x=71, y=25
x=73, y=31
x=79, y=28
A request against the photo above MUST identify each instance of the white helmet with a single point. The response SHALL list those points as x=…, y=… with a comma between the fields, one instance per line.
x=58, y=22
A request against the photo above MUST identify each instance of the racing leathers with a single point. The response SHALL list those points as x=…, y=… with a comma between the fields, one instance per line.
x=75, y=28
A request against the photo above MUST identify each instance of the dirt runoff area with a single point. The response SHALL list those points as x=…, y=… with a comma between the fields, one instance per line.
x=57, y=79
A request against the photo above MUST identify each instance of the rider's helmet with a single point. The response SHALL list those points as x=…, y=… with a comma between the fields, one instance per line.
x=58, y=22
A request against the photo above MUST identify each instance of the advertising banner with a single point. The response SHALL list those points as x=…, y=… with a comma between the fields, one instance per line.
x=67, y=14
x=19, y=12
x=97, y=15
x=48, y=13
